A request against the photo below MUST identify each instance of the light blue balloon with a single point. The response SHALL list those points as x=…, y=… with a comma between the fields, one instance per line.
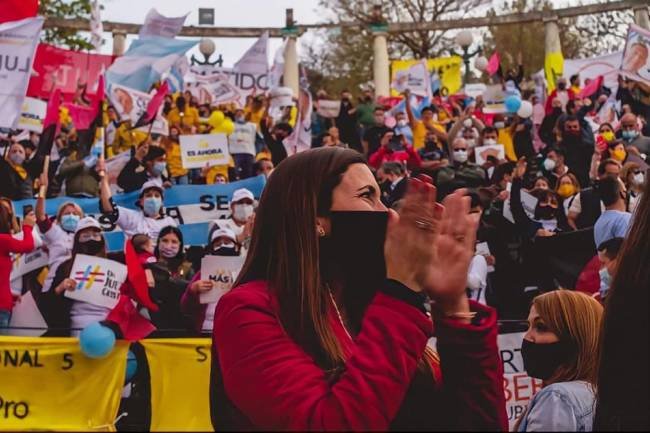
x=512, y=104
x=96, y=340
x=131, y=366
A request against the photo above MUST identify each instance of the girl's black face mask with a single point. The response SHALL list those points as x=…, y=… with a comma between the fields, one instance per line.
x=542, y=360
x=91, y=248
x=544, y=213
x=353, y=256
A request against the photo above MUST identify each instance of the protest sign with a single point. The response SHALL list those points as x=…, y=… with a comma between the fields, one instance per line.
x=214, y=89
x=482, y=152
x=494, y=97
x=98, y=280
x=608, y=66
x=636, y=55
x=25, y=315
x=131, y=104
x=65, y=69
x=156, y=24
x=32, y=115
x=447, y=70
x=328, y=109
x=222, y=271
x=200, y=150
x=27, y=262
x=518, y=386
x=415, y=78
x=179, y=402
x=18, y=41
x=191, y=206
x=474, y=89
x=528, y=202
x=82, y=393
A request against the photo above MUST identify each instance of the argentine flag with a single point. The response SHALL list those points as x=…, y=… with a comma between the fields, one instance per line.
x=145, y=61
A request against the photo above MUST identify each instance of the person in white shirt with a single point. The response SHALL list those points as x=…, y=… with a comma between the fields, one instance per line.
x=477, y=279
x=242, y=145
x=242, y=218
x=149, y=220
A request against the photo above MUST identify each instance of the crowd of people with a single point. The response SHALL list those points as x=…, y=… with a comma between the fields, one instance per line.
x=547, y=206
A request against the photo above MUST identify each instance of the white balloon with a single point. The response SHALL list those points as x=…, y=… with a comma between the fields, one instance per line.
x=481, y=63
x=525, y=109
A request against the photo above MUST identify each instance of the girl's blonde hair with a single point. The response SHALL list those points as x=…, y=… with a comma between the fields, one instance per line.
x=574, y=317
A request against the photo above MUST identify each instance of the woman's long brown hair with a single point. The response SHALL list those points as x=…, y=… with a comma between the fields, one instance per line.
x=285, y=248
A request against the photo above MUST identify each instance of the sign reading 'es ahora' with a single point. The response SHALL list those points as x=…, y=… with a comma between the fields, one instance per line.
x=200, y=150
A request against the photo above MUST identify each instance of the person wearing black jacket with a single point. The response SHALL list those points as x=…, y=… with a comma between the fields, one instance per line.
x=578, y=151
x=147, y=163
x=19, y=169
x=273, y=138
x=393, y=187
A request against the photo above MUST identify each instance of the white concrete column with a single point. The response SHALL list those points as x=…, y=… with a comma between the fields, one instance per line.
x=380, y=66
x=552, y=46
x=119, y=43
x=641, y=18
x=291, y=74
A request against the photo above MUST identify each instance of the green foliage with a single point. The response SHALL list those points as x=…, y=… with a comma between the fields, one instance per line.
x=65, y=9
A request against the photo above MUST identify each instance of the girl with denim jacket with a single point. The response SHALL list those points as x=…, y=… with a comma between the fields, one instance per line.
x=561, y=347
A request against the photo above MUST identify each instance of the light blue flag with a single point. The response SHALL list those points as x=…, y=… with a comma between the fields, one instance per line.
x=145, y=61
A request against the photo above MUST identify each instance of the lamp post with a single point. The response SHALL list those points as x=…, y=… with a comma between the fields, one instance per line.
x=207, y=48
x=464, y=39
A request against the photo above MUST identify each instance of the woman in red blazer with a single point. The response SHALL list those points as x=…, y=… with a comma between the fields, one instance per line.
x=327, y=327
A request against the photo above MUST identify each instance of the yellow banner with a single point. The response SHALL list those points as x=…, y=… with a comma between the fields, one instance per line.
x=180, y=383
x=448, y=69
x=553, y=68
x=48, y=384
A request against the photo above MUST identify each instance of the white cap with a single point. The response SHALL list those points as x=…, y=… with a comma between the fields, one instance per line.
x=241, y=194
x=152, y=183
x=87, y=222
x=223, y=232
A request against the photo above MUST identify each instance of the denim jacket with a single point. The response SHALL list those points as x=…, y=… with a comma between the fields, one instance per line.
x=563, y=406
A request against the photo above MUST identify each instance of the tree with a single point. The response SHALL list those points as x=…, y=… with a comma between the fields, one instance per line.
x=65, y=9
x=343, y=57
x=603, y=33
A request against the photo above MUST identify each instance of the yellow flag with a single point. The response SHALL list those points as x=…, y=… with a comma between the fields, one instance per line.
x=48, y=384
x=448, y=70
x=180, y=383
x=553, y=68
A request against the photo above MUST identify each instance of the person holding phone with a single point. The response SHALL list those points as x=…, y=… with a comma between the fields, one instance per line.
x=394, y=148
x=10, y=245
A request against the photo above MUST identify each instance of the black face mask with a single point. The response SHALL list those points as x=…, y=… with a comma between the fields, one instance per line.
x=225, y=251
x=353, y=255
x=542, y=360
x=561, y=86
x=544, y=213
x=91, y=248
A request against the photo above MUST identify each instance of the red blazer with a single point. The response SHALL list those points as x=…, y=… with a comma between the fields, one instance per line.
x=270, y=383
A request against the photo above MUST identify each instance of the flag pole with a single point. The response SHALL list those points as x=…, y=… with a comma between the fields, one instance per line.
x=46, y=171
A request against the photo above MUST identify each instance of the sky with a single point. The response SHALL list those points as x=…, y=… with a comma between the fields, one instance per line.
x=238, y=13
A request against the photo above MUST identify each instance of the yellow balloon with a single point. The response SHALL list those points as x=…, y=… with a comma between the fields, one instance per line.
x=216, y=119
x=226, y=127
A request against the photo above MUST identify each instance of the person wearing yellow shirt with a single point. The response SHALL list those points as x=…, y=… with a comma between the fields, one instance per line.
x=505, y=137
x=125, y=138
x=172, y=147
x=575, y=83
x=427, y=123
x=254, y=110
x=183, y=115
x=214, y=174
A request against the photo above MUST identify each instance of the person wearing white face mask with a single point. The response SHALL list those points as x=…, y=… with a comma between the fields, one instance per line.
x=461, y=173
x=149, y=220
x=58, y=234
x=242, y=218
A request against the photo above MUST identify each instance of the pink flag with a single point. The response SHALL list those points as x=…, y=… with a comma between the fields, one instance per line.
x=83, y=116
x=591, y=88
x=154, y=105
x=493, y=64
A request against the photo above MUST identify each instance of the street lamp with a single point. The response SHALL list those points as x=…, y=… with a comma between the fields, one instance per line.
x=207, y=48
x=464, y=39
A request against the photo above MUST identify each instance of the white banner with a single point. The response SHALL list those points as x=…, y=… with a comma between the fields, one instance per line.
x=256, y=60
x=32, y=115
x=200, y=150
x=26, y=314
x=474, y=89
x=608, y=66
x=528, y=202
x=98, y=280
x=25, y=263
x=416, y=79
x=156, y=24
x=215, y=89
x=222, y=271
x=518, y=386
x=328, y=109
x=482, y=152
x=131, y=104
x=636, y=56
x=18, y=40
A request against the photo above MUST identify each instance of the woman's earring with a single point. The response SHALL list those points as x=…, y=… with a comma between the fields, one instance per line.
x=321, y=232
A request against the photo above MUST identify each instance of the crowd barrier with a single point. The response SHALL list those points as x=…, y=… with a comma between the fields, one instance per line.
x=48, y=383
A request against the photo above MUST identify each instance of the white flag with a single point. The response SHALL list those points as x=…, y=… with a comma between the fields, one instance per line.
x=255, y=61
x=277, y=70
x=96, y=27
x=18, y=40
x=300, y=138
x=156, y=24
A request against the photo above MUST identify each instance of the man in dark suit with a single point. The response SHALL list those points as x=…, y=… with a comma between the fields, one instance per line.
x=393, y=180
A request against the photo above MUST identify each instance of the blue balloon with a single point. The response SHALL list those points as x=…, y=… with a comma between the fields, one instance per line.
x=131, y=366
x=96, y=340
x=512, y=104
